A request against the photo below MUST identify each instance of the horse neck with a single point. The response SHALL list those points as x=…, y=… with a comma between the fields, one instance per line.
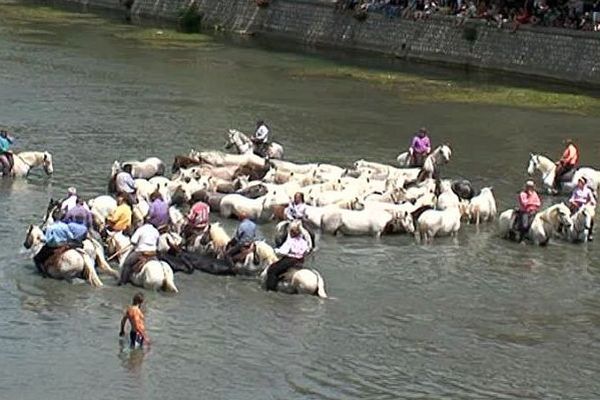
x=32, y=158
x=121, y=243
x=545, y=165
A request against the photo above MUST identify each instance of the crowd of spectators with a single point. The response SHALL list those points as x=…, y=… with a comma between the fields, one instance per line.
x=569, y=14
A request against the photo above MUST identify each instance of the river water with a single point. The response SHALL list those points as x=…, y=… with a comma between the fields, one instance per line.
x=473, y=319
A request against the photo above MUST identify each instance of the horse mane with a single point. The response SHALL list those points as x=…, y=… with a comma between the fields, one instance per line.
x=218, y=235
x=265, y=252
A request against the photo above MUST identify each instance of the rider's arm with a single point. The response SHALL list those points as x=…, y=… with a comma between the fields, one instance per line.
x=285, y=248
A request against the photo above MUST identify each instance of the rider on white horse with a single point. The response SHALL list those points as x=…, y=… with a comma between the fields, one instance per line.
x=261, y=138
x=581, y=196
x=120, y=219
x=5, y=154
x=244, y=237
x=420, y=148
x=125, y=184
x=145, y=242
x=57, y=236
x=292, y=251
x=529, y=204
x=567, y=163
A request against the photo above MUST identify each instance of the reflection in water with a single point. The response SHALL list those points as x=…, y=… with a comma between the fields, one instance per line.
x=131, y=359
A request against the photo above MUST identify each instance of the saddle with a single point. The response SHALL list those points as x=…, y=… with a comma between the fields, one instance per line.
x=54, y=258
x=145, y=257
x=568, y=176
x=244, y=251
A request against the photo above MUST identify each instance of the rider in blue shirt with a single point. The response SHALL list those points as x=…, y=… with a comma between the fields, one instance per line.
x=5, y=142
x=56, y=236
x=243, y=238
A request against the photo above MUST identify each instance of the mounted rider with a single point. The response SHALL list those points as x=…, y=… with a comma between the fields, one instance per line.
x=260, y=139
x=420, y=147
x=6, y=156
x=296, y=211
x=70, y=201
x=529, y=204
x=292, y=251
x=158, y=213
x=581, y=196
x=58, y=238
x=567, y=163
x=80, y=213
x=145, y=245
x=120, y=219
x=197, y=220
x=242, y=241
x=125, y=184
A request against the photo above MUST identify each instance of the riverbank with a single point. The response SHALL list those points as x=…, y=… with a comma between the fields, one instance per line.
x=555, y=54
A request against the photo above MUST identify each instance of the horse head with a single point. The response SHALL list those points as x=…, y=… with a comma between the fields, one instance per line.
x=563, y=217
x=533, y=164
x=47, y=163
x=29, y=238
x=446, y=152
x=406, y=221
x=115, y=169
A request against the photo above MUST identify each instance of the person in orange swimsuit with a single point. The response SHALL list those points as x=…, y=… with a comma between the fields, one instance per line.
x=135, y=316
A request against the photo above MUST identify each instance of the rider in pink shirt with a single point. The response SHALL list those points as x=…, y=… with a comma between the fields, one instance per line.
x=529, y=205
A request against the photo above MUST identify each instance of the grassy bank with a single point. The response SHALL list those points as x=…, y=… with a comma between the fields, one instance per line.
x=420, y=89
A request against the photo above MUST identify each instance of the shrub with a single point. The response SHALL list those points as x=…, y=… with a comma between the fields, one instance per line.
x=190, y=19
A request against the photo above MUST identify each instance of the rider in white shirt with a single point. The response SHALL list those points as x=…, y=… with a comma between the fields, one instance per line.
x=261, y=138
x=145, y=242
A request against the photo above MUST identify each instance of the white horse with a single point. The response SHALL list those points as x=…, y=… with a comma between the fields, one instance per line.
x=583, y=220
x=244, y=145
x=447, y=197
x=212, y=241
x=219, y=159
x=154, y=275
x=234, y=205
x=101, y=207
x=373, y=222
x=146, y=169
x=74, y=263
x=432, y=223
x=301, y=281
x=27, y=160
x=547, y=168
x=482, y=207
x=553, y=221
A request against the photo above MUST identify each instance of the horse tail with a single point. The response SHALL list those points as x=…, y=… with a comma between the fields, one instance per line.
x=168, y=284
x=89, y=271
x=320, y=285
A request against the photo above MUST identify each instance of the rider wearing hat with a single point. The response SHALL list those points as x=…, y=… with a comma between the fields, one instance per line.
x=261, y=138
x=529, y=204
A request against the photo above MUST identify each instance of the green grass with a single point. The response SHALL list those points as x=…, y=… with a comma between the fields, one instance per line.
x=19, y=14
x=163, y=37
x=418, y=89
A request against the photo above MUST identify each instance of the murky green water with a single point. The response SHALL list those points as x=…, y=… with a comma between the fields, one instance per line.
x=481, y=319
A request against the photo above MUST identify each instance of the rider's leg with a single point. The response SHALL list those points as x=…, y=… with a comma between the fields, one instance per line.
x=277, y=269
x=5, y=165
x=128, y=264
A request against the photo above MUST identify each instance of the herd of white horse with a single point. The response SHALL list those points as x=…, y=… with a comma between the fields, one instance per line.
x=366, y=198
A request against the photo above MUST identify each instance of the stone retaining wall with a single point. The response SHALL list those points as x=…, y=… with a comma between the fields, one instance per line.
x=550, y=53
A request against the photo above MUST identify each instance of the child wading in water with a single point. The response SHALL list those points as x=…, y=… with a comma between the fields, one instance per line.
x=134, y=315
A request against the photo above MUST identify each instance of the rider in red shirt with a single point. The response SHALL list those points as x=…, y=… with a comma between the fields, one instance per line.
x=567, y=162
